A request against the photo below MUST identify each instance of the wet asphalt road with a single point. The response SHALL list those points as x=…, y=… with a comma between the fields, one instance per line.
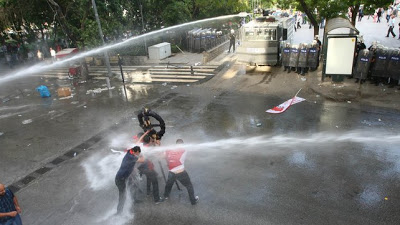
x=240, y=180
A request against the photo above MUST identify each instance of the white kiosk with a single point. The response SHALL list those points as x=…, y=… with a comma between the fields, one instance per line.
x=160, y=51
x=340, y=40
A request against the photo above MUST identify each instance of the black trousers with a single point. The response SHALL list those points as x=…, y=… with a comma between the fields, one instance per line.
x=232, y=43
x=151, y=177
x=391, y=31
x=184, y=178
x=121, y=185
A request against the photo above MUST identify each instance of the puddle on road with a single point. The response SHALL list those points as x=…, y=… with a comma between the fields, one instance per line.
x=27, y=121
x=300, y=159
x=371, y=195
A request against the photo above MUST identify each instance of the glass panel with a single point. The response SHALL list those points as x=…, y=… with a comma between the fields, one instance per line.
x=257, y=33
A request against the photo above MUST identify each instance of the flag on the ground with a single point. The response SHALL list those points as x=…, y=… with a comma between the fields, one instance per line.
x=282, y=107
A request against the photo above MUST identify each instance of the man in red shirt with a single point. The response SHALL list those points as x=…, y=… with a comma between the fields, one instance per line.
x=175, y=161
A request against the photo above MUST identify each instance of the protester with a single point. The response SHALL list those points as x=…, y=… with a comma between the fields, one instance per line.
x=399, y=32
x=360, y=14
x=175, y=161
x=304, y=18
x=299, y=18
x=145, y=123
x=378, y=15
x=388, y=13
x=53, y=54
x=9, y=208
x=39, y=55
x=147, y=167
x=127, y=166
x=391, y=26
x=232, y=41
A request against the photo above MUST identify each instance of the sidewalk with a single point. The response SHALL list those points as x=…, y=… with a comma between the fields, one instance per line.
x=348, y=91
x=273, y=80
x=371, y=32
x=185, y=58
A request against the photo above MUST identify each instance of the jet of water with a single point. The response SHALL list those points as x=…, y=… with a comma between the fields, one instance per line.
x=290, y=140
x=100, y=169
x=131, y=41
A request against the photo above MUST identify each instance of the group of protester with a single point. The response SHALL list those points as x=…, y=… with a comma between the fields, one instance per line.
x=16, y=54
x=175, y=158
x=175, y=161
x=391, y=15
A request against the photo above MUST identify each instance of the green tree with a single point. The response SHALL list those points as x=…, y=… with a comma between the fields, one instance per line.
x=74, y=20
x=176, y=13
x=316, y=10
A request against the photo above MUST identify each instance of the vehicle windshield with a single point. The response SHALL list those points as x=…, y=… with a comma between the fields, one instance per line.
x=260, y=33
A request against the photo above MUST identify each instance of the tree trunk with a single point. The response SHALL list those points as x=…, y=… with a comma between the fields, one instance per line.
x=63, y=22
x=55, y=33
x=354, y=11
x=41, y=32
x=310, y=16
x=316, y=30
x=195, y=10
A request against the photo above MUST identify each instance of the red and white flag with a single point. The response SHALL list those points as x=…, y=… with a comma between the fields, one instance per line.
x=284, y=106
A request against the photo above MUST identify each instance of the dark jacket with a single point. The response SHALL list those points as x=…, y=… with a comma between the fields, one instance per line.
x=127, y=165
x=142, y=117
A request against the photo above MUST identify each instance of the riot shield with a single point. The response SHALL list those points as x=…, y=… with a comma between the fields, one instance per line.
x=190, y=38
x=294, y=56
x=393, y=68
x=208, y=39
x=313, y=56
x=286, y=56
x=363, y=64
x=197, y=39
x=381, y=62
x=303, y=56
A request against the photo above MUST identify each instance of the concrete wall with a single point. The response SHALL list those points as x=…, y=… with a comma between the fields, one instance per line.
x=134, y=60
x=127, y=60
x=214, y=52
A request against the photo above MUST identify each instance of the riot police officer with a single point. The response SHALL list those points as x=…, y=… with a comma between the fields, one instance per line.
x=303, y=58
x=394, y=67
x=379, y=70
x=363, y=64
x=313, y=56
x=294, y=57
x=286, y=57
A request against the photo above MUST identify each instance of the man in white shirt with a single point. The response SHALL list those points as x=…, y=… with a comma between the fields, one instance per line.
x=53, y=54
x=391, y=26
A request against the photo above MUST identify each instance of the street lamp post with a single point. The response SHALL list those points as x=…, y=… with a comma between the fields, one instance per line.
x=102, y=38
x=141, y=13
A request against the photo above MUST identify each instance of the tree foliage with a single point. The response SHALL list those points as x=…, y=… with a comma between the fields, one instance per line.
x=75, y=21
x=317, y=10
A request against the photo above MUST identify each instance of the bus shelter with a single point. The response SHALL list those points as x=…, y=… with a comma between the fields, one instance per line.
x=340, y=41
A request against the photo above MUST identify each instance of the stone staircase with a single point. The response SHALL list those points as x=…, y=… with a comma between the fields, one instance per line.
x=144, y=74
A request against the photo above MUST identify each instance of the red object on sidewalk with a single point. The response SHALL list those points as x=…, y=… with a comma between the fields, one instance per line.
x=66, y=52
x=74, y=71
